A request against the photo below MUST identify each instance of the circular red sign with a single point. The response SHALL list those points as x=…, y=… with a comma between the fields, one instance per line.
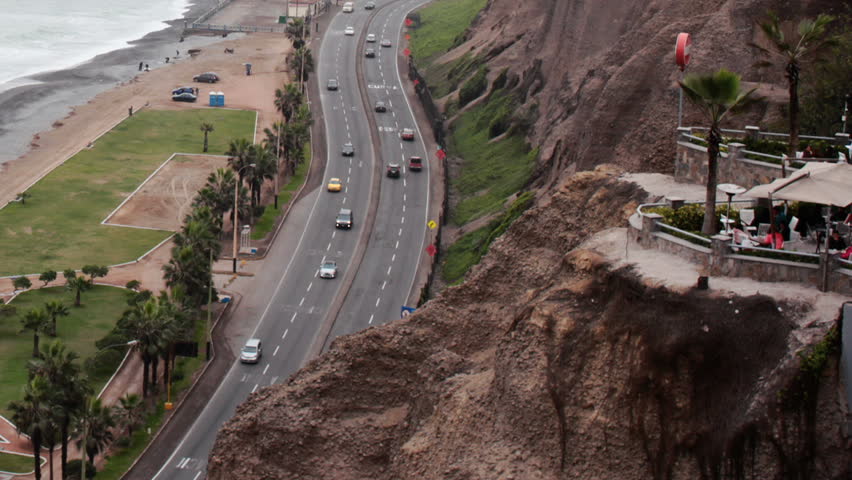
x=682, y=56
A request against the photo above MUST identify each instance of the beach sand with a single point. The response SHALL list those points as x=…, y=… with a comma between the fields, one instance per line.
x=266, y=52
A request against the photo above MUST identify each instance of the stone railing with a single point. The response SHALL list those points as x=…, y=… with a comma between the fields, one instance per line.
x=721, y=257
x=736, y=164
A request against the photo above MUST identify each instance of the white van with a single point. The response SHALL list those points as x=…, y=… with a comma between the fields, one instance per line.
x=348, y=7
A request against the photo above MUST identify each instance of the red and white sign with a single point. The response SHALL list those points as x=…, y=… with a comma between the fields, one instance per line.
x=682, y=56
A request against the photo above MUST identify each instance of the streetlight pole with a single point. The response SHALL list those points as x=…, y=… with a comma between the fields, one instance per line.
x=277, y=162
x=237, y=210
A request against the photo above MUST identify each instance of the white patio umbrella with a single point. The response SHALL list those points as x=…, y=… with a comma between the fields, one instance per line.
x=816, y=182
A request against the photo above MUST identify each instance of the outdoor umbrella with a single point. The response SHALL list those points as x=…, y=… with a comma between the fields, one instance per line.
x=816, y=182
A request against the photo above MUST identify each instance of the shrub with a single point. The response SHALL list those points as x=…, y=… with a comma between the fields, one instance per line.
x=21, y=283
x=73, y=470
x=47, y=277
x=690, y=217
x=474, y=87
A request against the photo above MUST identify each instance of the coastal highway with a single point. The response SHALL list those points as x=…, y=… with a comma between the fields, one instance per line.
x=290, y=302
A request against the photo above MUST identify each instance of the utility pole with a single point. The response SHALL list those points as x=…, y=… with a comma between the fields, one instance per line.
x=845, y=112
x=277, y=162
x=302, y=65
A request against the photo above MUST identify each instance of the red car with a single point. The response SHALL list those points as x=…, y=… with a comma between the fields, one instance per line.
x=407, y=134
x=415, y=164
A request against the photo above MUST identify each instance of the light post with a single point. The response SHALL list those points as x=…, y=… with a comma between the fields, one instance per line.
x=88, y=407
x=277, y=162
x=237, y=210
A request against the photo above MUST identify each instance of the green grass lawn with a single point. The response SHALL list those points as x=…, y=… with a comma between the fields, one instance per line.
x=265, y=223
x=441, y=23
x=59, y=227
x=490, y=172
x=100, y=310
x=15, y=463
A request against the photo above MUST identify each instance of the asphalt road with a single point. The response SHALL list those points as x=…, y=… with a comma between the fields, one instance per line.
x=291, y=301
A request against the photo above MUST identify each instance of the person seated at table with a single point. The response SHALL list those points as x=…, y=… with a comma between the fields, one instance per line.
x=836, y=242
x=744, y=239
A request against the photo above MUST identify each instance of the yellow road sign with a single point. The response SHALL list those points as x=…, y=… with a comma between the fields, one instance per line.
x=432, y=224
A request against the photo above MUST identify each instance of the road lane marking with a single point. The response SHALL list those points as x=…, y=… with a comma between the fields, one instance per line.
x=285, y=332
x=303, y=298
x=393, y=258
x=197, y=475
x=265, y=369
x=389, y=269
x=255, y=385
x=384, y=284
x=326, y=248
x=333, y=233
x=397, y=244
x=403, y=210
x=404, y=183
x=377, y=300
x=404, y=197
x=371, y=319
x=245, y=377
x=344, y=201
x=310, y=285
x=183, y=461
x=274, y=379
x=293, y=317
x=276, y=350
x=403, y=218
x=400, y=230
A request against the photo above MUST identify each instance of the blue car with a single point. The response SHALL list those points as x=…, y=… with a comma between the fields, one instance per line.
x=180, y=90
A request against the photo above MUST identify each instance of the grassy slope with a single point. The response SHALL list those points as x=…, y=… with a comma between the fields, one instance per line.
x=100, y=310
x=15, y=463
x=441, y=22
x=59, y=227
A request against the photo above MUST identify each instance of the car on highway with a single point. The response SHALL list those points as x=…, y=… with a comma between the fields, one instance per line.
x=335, y=185
x=369, y=6
x=180, y=90
x=328, y=269
x=332, y=84
x=348, y=150
x=252, y=351
x=349, y=31
x=381, y=107
x=344, y=219
x=348, y=7
x=415, y=164
x=184, y=97
x=386, y=42
x=393, y=170
x=371, y=37
x=370, y=53
x=206, y=77
x=407, y=134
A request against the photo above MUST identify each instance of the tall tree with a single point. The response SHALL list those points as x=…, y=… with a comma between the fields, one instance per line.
x=288, y=100
x=239, y=156
x=302, y=57
x=32, y=415
x=21, y=283
x=297, y=31
x=78, y=285
x=129, y=411
x=47, y=277
x=206, y=128
x=94, y=423
x=96, y=271
x=58, y=365
x=264, y=160
x=55, y=309
x=37, y=321
x=716, y=95
x=144, y=323
x=810, y=39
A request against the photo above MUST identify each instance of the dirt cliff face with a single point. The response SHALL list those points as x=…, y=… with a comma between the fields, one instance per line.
x=603, y=76
x=547, y=363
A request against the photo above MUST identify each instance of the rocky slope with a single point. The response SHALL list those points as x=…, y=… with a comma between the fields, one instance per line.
x=602, y=73
x=548, y=363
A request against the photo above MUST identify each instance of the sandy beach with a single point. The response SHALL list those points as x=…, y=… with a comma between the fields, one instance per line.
x=266, y=52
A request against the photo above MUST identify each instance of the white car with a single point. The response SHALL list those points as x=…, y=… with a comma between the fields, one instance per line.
x=251, y=352
x=349, y=31
x=371, y=37
x=328, y=269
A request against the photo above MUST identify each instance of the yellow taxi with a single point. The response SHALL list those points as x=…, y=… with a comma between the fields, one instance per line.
x=335, y=185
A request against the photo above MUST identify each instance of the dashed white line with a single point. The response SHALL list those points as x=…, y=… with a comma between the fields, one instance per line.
x=276, y=350
x=397, y=244
x=384, y=284
x=400, y=232
x=403, y=218
x=255, y=385
x=285, y=331
x=393, y=258
x=404, y=197
x=350, y=172
x=310, y=285
x=326, y=248
x=377, y=300
x=371, y=319
x=274, y=379
x=333, y=233
x=265, y=369
x=303, y=298
x=293, y=318
x=344, y=201
x=403, y=210
x=197, y=475
x=389, y=269
x=404, y=183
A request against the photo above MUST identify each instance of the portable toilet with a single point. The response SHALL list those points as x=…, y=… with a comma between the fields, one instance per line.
x=213, y=99
x=220, y=99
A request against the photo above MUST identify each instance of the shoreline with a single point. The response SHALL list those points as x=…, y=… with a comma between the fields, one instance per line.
x=44, y=99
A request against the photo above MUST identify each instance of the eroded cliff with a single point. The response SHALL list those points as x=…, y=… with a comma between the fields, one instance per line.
x=548, y=362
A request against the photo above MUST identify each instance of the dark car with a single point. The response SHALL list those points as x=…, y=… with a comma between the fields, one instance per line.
x=369, y=6
x=393, y=170
x=207, y=77
x=348, y=150
x=184, y=97
x=332, y=84
x=415, y=164
x=344, y=219
x=370, y=53
x=180, y=90
x=381, y=107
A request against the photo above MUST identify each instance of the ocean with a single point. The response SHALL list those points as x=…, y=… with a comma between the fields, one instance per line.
x=47, y=35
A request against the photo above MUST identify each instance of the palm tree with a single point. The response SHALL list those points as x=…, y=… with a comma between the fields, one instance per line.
x=264, y=160
x=218, y=192
x=58, y=365
x=94, y=423
x=206, y=128
x=288, y=100
x=35, y=319
x=793, y=48
x=129, y=411
x=55, y=309
x=144, y=323
x=296, y=31
x=78, y=285
x=238, y=151
x=302, y=57
x=716, y=95
x=31, y=415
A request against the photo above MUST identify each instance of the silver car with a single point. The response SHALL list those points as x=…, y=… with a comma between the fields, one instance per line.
x=328, y=269
x=251, y=352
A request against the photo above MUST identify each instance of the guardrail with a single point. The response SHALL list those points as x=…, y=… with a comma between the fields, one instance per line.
x=238, y=28
x=684, y=232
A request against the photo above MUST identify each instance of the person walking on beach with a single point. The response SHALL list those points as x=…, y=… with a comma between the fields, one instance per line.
x=167, y=59
x=140, y=66
x=130, y=111
x=146, y=68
